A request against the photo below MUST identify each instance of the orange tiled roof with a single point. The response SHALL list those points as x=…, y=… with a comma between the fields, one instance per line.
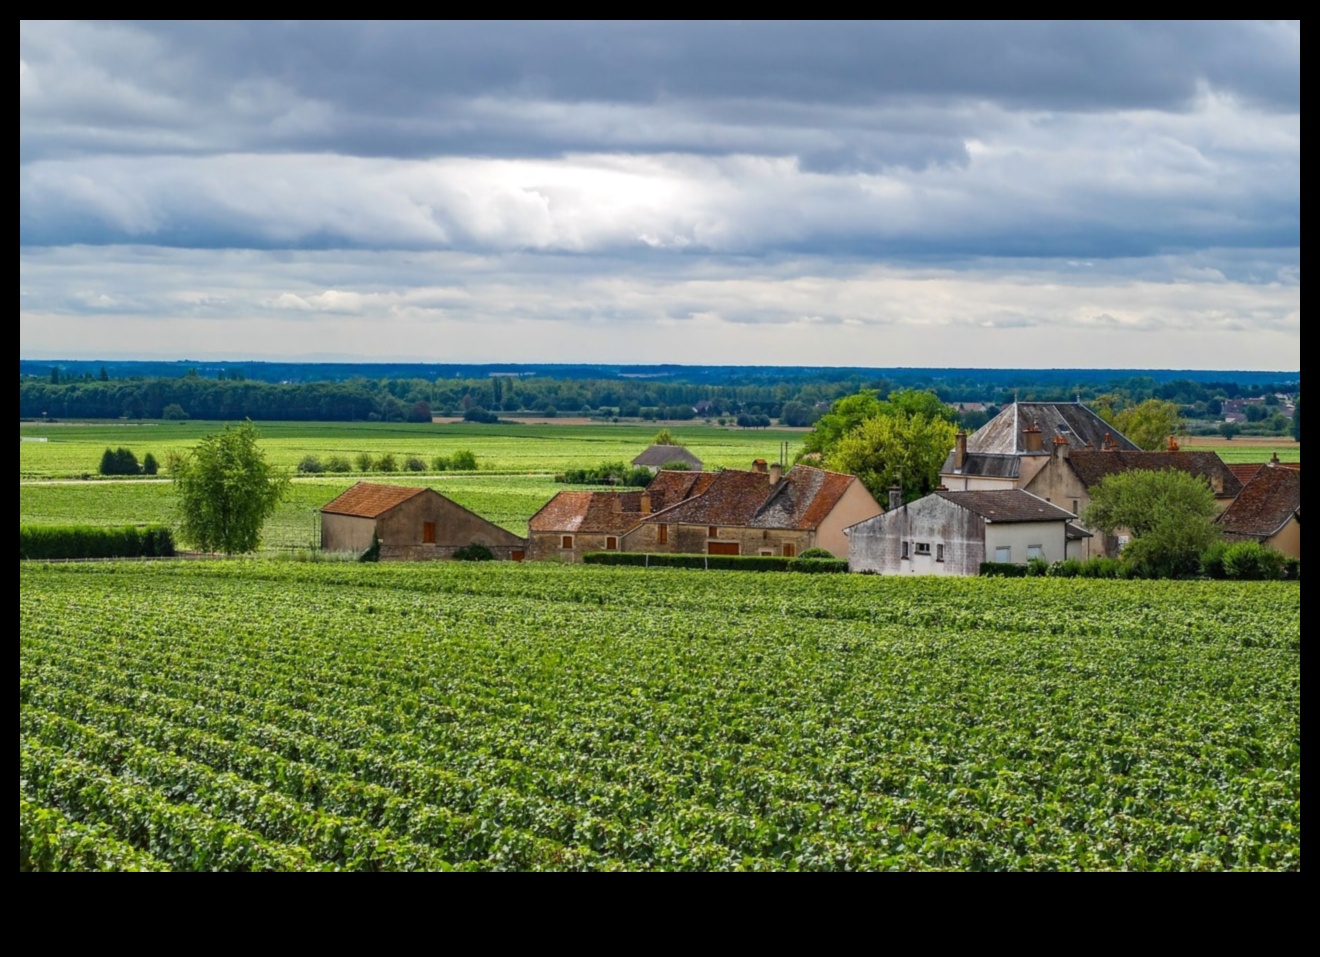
x=731, y=498
x=370, y=500
x=802, y=499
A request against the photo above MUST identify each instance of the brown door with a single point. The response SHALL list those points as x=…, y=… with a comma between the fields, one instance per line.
x=517, y=554
x=722, y=548
x=428, y=533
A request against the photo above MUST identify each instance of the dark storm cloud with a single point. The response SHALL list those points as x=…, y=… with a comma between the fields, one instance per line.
x=874, y=92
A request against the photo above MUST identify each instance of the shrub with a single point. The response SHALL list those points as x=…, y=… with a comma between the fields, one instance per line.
x=1069, y=568
x=149, y=464
x=746, y=563
x=338, y=463
x=387, y=463
x=174, y=412
x=1252, y=561
x=310, y=464
x=817, y=553
x=119, y=461
x=1037, y=568
x=440, y=463
x=63, y=541
x=1212, y=560
x=677, y=465
x=363, y=461
x=1003, y=570
x=1292, y=569
x=372, y=554
x=819, y=566
x=414, y=463
x=474, y=553
x=463, y=461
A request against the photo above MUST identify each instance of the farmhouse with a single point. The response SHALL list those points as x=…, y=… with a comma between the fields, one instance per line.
x=952, y=533
x=410, y=524
x=1269, y=510
x=658, y=456
x=764, y=511
x=573, y=523
x=1011, y=448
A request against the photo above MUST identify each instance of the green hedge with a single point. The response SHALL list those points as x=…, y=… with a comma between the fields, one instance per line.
x=743, y=563
x=1003, y=570
x=44, y=542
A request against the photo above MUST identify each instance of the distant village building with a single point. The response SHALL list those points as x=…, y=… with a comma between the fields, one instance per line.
x=658, y=456
x=410, y=523
x=953, y=533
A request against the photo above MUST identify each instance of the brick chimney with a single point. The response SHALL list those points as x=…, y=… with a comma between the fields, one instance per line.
x=1032, y=440
x=1109, y=444
x=776, y=473
x=1173, y=444
x=1060, y=447
x=895, y=497
x=960, y=451
x=1274, y=461
x=758, y=465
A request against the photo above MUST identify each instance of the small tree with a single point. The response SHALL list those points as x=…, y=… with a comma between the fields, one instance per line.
x=387, y=463
x=149, y=464
x=226, y=491
x=1229, y=429
x=1149, y=424
x=888, y=449
x=463, y=461
x=1170, y=515
x=663, y=437
x=363, y=461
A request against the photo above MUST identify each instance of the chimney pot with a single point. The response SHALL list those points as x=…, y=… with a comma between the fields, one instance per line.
x=758, y=465
x=895, y=497
x=776, y=473
x=960, y=451
x=1032, y=440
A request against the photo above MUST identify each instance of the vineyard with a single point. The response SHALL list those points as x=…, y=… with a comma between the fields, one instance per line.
x=268, y=716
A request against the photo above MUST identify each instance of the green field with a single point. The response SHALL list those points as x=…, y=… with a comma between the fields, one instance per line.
x=73, y=451
x=506, y=500
x=268, y=716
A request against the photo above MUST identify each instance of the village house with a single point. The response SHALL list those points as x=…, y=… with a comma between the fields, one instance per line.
x=574, y=523
x=764, y=511
x=953, y=533
x=1268, y=510
x=1011, y=448
x=411, y=524
x=658, y=456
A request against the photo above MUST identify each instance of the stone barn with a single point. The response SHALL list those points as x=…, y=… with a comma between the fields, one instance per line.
x=412, y=524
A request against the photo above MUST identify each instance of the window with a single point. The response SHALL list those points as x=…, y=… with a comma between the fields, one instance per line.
x=712, y=532
x=939, y=553
x=428, y=533
x=923, y=548
x=662, y=535
x=790, y=550
x=767, y=553
x=611, y=543
x=905, y=551
x=1074, y=506
x=566, y=541
x=1035, y=551
x=1004, y=554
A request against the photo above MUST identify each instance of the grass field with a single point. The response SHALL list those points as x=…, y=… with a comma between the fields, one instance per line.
x=74, y=450
x=274, y=716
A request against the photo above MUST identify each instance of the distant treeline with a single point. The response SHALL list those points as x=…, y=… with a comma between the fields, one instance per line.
x=795, y=398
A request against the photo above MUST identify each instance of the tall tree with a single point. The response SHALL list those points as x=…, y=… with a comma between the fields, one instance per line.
x=1149, y=424
x=1169, y=514
x=885, y=450
x=226, y=491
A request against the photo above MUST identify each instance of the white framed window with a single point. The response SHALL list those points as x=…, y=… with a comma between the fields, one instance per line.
x=923, y=548
x=1004, y=554
x=1035, y=551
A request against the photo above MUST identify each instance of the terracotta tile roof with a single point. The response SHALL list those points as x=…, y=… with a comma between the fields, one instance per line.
x=611, y=512
x=370, y=500
x=1073, y=421
x=1246, y=471
x=670, y=488
x=1007, y=505
x=802, y=499
x=731, y=499
x=1091, y=466
x=658, y=455
x=1265, y=505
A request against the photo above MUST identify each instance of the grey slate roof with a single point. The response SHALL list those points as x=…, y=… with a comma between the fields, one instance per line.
x=990, y=466
x=1008, y=505
x=1093, y=466
x=658, y=455
x=1073, y=421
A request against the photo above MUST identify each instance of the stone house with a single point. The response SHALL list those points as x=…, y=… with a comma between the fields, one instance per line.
x=574, y=523
x=411, y=524
x=764, y=511
x=952, y=533
x=658, y=456
x=1268, y=510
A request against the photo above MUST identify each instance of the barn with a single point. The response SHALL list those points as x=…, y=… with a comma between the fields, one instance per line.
x=411, y=524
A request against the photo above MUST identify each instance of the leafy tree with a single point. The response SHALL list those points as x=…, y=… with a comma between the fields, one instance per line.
x=663, y=437
x=1149, y=424
x=797, y=414
x=420, y=412
x=1169, y=514
x=226, y=491
x=311, y=464
x=846, y=414
x=463, y=461
x=415, y=463
x=387, y=463
x=120, y=461
x=363, y=461
x=174, y=412
x=338, y=463
x=888, y=449
x=149, y=464
x=1229, y=429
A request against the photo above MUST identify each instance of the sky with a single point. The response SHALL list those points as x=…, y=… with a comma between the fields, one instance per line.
x=973, y=194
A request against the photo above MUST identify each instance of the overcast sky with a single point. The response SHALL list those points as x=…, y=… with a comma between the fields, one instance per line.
x=885, y=194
